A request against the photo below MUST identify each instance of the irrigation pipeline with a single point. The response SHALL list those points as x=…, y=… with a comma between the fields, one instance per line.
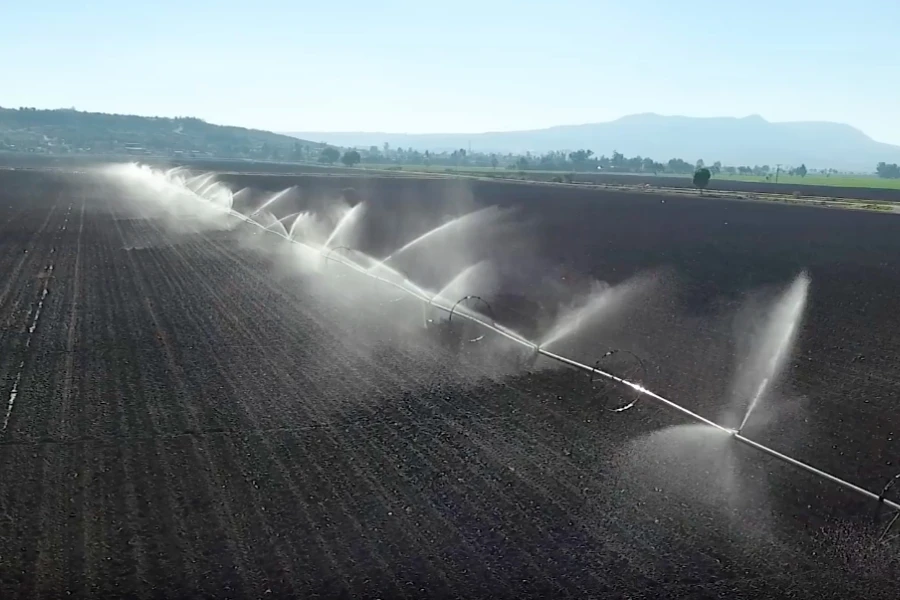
x=594, y=371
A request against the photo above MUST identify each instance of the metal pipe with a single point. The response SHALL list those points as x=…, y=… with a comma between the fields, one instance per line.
x=818, y=472
x=635, y=386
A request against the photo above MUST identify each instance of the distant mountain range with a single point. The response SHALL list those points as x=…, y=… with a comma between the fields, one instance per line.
x=733, y=141
x=68, y=131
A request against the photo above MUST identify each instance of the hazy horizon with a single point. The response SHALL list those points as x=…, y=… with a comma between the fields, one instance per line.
x=613, y=119
x=399, y=67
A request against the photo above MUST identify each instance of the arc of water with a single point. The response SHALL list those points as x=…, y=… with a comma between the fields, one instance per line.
x=456, y=222
x=272, y=200
x=343, y=223
x=460, y=277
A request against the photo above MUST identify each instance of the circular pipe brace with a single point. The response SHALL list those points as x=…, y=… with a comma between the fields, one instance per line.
x=472, y=297
x=637, y=396
x=330, y=250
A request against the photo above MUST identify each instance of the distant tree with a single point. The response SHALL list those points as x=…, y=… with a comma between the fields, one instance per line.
x=716, y=168
x=522, y=163
x=700, y=164
x=351, y=158
x=801, y=171
x=701, y=178
x=677, y=165
x=494, y=161
x=730, y=170
x=888, y=171
x=329, y=155
x=580, y=156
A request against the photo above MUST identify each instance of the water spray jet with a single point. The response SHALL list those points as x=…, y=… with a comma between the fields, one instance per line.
x=774, y=345
x=345, y=221
x=272, y=201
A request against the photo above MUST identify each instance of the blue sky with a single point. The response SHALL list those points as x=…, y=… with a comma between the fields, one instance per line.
x=457, y=66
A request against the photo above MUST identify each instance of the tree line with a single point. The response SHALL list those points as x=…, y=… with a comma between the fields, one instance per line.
x=888, y=171
x=583, y=160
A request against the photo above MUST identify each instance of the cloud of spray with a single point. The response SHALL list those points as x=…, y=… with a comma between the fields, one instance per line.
x=601, y=303
x=440, y=253
x=479, y=279
x=184, y=201
x=692, y=477
x=439, y=266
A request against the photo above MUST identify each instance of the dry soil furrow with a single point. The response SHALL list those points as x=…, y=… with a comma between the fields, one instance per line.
x=18, y=361
x=196, y=460
x=11, y=278
x=182, y=271
x=348, y=444
x=212, y=293
x=63, y=428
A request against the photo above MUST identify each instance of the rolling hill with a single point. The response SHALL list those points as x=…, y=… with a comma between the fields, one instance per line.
x=735, y=141
x=68, y=131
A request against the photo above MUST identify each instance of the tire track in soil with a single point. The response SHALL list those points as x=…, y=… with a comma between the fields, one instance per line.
x=15, y=336
x=33, y=317
x=40, y=386
x=28, y=530
x=196, y=458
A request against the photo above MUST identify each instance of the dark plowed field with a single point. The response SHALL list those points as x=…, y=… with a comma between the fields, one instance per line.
x=184, y=415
